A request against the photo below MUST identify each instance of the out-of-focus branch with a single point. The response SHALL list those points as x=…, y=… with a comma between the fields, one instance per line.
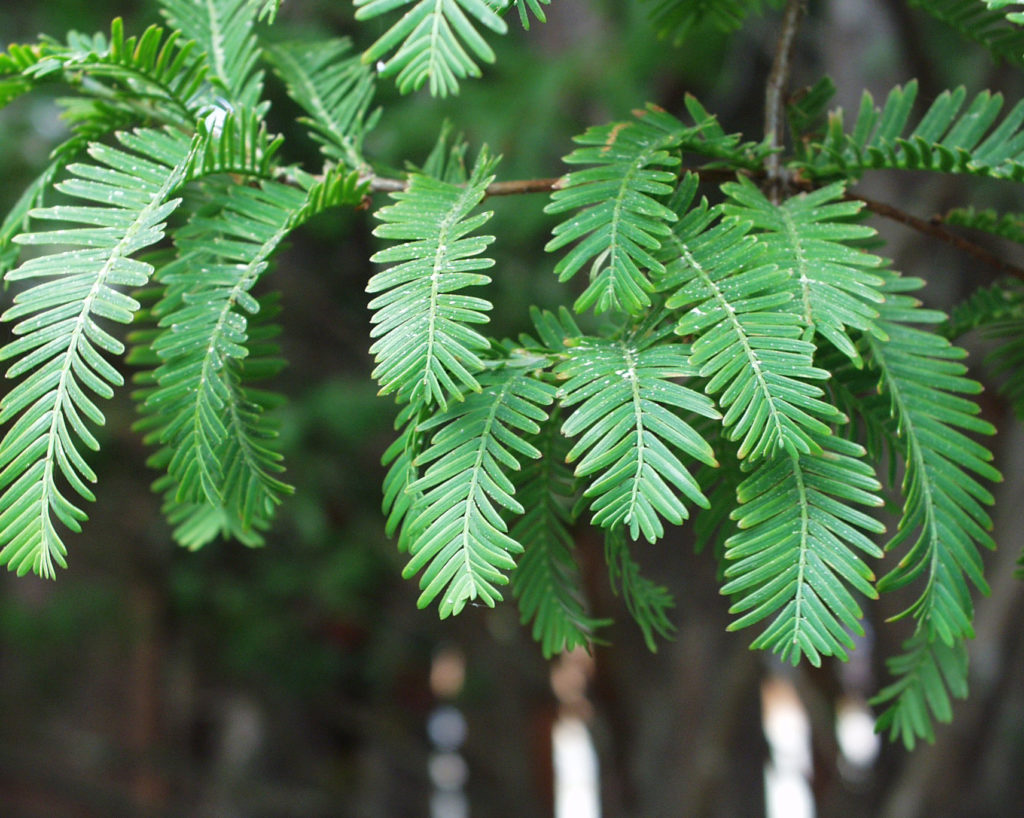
x=775, y=94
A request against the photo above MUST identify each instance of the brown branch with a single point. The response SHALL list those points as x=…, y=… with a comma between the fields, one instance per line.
x=935, y=230
x=932, y=228
x=514, y=187
x=774, y=95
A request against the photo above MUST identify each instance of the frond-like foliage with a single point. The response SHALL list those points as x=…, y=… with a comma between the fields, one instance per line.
x=59, y=351
x=213, y=427
x=239, y=144
x=745, y=342
x=622, y=223
x=986, y=26
x=157, y=66
x=675, y=19
x=806, y=110
x=922, y=384
x=629, y=430
x=647, y=602
x=16, y=66
x=267, y=9
x=998, y=311
x=807, y=236
x=927, y=672
x=215, y=431
x=400, y=458
x=546, y=581
x=431, y=40
x=620, y=219
x=986, y=307
x=157, y=76
x=334, y=88
x=425, y=349
x=1011, y=9
x=248, y=460
x=534, y=8
x=796, y=557
x=1008, y=225
x=223, y=29
x=459, y=537
x=944, y=140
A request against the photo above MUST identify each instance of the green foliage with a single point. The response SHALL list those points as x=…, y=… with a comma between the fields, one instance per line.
x=59, y=349
x=426, y=352
x=749, y=362
x=927, y=671
x=984, y=23
x=745, y=345
x=460, y=536
x=921, y=381
x=534, y=8
x=223, y=29
x=430, y=38
x=546, y=580
x=626, y=422
x=335, y=89
x=622, y=224
x=646, y=601
x=810, y=236
x=1008, y=225
x=1012, y=15
x=943, y=140
x=796, y=511
x=998, y=311
x=675, y=19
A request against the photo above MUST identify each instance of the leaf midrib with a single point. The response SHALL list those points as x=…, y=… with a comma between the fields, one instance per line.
x=751, y=356
x=916, y=456
x=60, y=394
x=481, y=449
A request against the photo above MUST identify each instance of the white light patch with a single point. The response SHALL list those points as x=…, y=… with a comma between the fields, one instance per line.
x=576, y=770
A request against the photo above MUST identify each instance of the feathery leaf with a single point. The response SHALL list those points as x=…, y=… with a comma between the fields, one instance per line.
x=944, y=139
x=625, y=398
x=622, y=223
x=795, y=556
x=458, y=536
x=833, y=284
x=534, y=7
x=223, y=29
x=986, y=26
x=675, y=19
x=59, y=351
x=732, y=300
x=927, y=671
x=334, y=88
x=213, y=426
x=425, y=351
x=546, y=581
x=922, y=384
x=646, y=602
x=429, y=38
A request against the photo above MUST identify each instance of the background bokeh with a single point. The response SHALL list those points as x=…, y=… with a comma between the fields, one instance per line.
x=293, y=680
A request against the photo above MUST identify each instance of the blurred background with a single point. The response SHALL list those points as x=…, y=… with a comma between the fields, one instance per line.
x=300, y=680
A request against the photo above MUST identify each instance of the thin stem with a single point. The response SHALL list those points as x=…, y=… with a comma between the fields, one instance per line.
x=714, y=175
x=514, y=187
x=931, y=228
x=774, y=96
